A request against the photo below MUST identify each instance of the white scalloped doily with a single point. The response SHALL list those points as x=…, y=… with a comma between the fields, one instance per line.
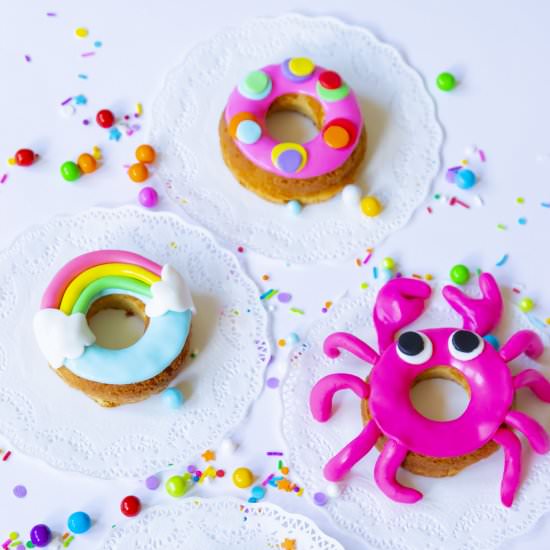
x=404, y=138
x=462, y=512
x=219, y=524
x=43, y=417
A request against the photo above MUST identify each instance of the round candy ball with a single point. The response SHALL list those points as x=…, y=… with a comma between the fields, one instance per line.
x=388, y=263
x=446, y=82
x=41, y=535
x=386, y=275
x=24, y=157
x=243, y=478
x=70, y=171
x=130, y=506
x=370, y=206
x=465, y=178
x=294, y=207
x=173, y=398
x=145, y=153
x=105, y=118
x=526, y=305
x=492, y=340
x=87, y=163
x=351, y=195
x=148, y=197
x=258, y=492
x=460, y=274
x=176, y=486
x=138, y=172
x=79, y=522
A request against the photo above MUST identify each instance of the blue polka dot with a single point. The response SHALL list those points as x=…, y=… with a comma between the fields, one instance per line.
x=248, y=132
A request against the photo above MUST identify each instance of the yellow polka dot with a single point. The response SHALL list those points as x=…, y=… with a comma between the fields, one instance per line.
x=301, y=66
x=81, y=32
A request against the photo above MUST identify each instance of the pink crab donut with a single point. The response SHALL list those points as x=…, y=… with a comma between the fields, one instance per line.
x=407, y=438
x=283, y=171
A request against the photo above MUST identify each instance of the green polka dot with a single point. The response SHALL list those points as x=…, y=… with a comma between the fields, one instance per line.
x=256, y=82
x=333, y=95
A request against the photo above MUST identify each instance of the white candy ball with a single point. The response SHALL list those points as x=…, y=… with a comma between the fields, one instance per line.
x=333, y=490
x=351, y=195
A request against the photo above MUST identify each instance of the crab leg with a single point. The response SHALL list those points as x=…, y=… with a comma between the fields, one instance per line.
x=511, y=445
x=350, y=343
x=385, y=471
x=523, y=341
x=531, y=429
x=535, y=381
x=340, y=464
x=320, y=400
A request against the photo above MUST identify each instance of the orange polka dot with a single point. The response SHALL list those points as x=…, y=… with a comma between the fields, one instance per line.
x=336, y=137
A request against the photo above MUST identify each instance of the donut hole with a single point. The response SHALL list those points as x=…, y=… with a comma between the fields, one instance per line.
x=117, y=320
x=294, y=118
x=440, y=393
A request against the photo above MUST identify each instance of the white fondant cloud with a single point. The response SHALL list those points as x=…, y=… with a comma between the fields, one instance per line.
x=171, y=293
x=61, y=336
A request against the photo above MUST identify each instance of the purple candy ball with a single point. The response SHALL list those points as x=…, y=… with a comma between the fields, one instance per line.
x=320, y=499
x=152, y=483
x=148, y=197
x=272, y=383
x=41, y=535
x=20, y=491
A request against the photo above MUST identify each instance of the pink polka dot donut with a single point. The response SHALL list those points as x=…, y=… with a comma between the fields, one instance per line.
x=406, y=437
x=282, y=171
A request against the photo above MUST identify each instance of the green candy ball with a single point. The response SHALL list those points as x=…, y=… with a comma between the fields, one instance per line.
x=460, y=274
x=446, y=82
x=176, y=486
x=70, y=171
x=388, y=263
x=526, y=305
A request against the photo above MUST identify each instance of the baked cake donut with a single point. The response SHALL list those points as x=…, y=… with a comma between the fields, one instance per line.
x=280, y=172
x=115, y=279
x=404, y=436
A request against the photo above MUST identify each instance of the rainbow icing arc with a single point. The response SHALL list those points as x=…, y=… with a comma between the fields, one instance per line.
x=54, y=292
x=63, y=333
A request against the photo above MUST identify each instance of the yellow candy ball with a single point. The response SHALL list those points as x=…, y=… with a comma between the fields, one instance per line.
x=243, y=478
x=370, y=206
x=81, y=32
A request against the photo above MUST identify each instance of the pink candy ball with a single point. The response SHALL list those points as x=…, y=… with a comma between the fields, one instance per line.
x=148, y=197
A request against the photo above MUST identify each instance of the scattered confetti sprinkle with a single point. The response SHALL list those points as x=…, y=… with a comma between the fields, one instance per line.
x=272, y=382
x=502, y=261
x=28, y=58
x=289, y=544
x=152, y=483
x=522, y=221
x=83, y=76
x=68, y=100
x=209, y=455
x=87, y=54
x=3, y=178
x=545, y=204
x=98, y=44
x=281, y=342
x=274, y=453
x=80, y=100
x=20, y=491
x=297, y=310
x=240, y=249
x=81, y=32
x=268, y=294
x=501, y=226
x=114, y=134
x=284, y=297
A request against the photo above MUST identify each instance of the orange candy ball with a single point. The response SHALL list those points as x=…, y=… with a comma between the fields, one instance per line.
x=87, y=163
x=138, y=172
x=146, y=154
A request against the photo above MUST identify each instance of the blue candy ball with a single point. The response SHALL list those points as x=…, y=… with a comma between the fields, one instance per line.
x=79, y=522
x=173, y=398
x=465, y=178
x=294, y=207
x=385, y=275
x=493, y=340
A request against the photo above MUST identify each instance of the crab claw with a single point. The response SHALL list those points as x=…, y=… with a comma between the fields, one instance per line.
x=399, y=303
x=480, y=315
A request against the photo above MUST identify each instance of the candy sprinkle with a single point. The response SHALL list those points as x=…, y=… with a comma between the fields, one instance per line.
x=87, y=54
x=545, y=204
x=502, y=261
x=3, y=178
x=28, y=58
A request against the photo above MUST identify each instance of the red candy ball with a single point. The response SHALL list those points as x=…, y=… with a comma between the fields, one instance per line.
x=105, y=118
x=24, y=157
x=330, y=80
x=130, y=506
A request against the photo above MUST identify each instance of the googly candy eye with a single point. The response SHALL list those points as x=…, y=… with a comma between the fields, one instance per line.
x=465, y=345
x=414, y=348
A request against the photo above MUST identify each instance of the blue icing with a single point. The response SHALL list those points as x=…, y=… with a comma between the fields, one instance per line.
x=161, y=343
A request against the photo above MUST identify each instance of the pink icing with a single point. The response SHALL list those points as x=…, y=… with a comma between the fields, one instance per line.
x=54, y=292
x=488, y=416
x=321, y=158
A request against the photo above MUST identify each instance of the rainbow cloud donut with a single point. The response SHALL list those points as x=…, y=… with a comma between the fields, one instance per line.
x=280, y=172
x=114, y=279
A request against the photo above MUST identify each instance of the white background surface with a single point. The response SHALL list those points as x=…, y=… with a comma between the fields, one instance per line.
x=497, y=49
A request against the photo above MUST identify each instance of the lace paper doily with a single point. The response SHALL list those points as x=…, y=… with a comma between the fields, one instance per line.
x=219, y=524
x=462, y=512
x=404, y=138
x=42, y=417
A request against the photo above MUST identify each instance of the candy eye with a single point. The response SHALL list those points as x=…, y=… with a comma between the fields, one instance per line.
x=465, y=345
x=414, y=348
